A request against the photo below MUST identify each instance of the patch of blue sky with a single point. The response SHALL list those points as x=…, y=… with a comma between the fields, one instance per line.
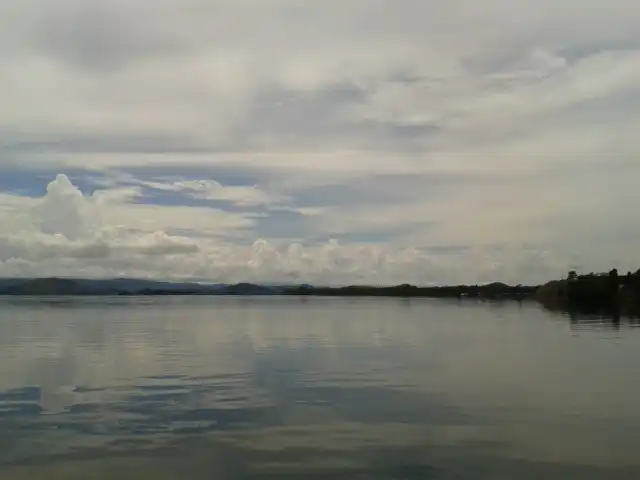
x=32, y=182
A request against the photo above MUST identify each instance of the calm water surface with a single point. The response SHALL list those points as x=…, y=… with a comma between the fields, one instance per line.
x=277, y=388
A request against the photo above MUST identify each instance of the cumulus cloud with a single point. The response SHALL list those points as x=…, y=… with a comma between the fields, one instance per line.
x=64, y=211
x=67, y=234
x=66, y=223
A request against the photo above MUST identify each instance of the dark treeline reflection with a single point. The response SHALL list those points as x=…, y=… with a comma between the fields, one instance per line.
x=612, y=320
x=491, y=291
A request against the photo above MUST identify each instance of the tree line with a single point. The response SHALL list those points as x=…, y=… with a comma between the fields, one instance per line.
x=593, y=292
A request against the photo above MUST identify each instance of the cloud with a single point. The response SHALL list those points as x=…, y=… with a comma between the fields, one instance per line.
x=65, y=211
x=244, y=196
x=213, y=77
x=68, y=233
x=395, y=128
x=67, y=225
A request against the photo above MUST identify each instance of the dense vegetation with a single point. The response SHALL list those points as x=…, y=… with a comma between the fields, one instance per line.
x=594, y=292
x=490, y=291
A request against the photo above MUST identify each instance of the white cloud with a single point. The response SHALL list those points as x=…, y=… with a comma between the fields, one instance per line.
x=242, y=196
x=65, y=211
x=79, y=239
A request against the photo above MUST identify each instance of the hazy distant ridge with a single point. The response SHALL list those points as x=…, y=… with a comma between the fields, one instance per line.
x=122, y=286
x=117, y=286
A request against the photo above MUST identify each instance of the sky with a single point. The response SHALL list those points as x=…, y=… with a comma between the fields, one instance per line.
x=334, y=142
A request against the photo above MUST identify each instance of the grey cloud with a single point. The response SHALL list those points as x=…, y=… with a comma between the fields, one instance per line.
x=100, y=36
x=68, y=142
x=168, y=249
x=488, y=119
x=388, y=189
x=90, y=252
x=294, y=116
x=104, y=250
x=95, y=251
x=305, y=69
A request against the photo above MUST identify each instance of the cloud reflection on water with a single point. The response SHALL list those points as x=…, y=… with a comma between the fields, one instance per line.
x=330, y=388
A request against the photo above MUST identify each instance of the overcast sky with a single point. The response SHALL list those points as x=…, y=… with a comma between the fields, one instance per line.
x=369, y=141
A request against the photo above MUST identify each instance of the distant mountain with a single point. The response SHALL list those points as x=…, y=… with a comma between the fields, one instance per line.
x=117, y=286
x=127, y=286
x=48, y=286
x=133, y=285
x=248, y=289
x=8, y=282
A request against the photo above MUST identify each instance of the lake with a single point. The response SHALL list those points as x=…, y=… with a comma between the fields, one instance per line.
x=286, y=388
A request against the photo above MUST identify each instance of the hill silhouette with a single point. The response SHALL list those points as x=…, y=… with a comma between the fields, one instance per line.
x=121, y=286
